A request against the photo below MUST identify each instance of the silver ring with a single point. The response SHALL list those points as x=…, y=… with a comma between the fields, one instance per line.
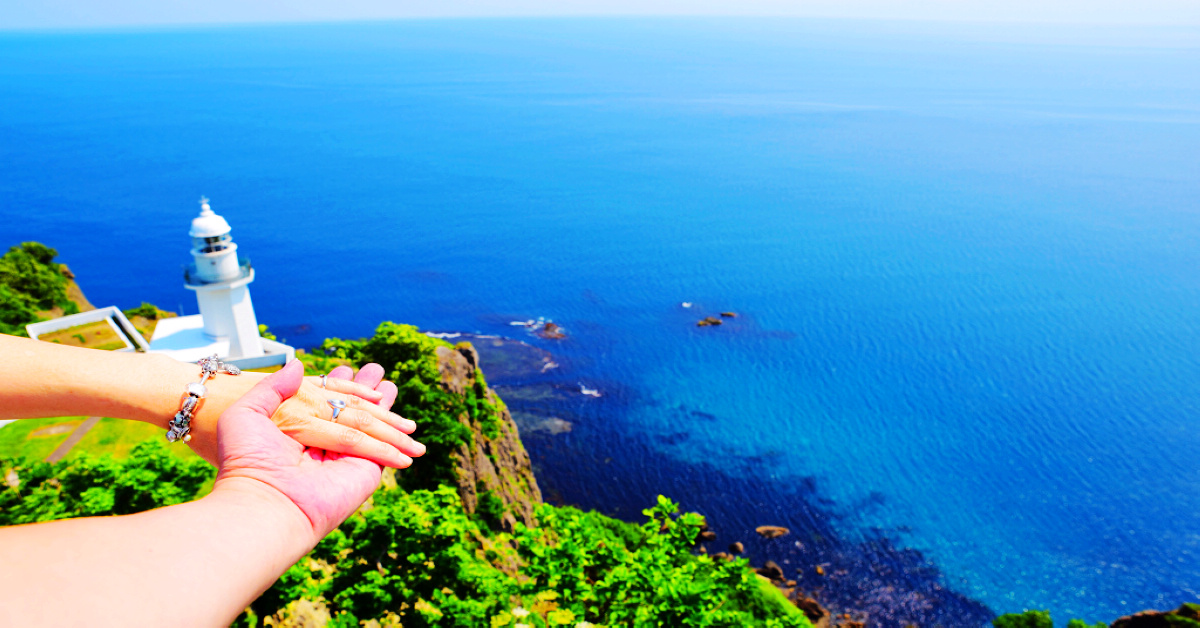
x=323, y=380
x=338, y=405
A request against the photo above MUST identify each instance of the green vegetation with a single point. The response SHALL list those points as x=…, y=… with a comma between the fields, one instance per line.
x=1028, y=619
x=1038, y=619
x=120, y=438
x=87, y=486
x=30, y=283
x=145, y=318
x=146, y=310
x=417, y=558
x=98, y=335
x=35, y=439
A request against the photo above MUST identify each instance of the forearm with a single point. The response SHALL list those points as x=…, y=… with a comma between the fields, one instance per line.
x=39, y=379
x=195, y=564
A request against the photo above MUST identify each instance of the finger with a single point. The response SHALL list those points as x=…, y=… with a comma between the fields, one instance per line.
x=379, y=412
x=349, y=387
x=343, y=439
x=341, y=372
x=246, y=424
x=379, y=430
x=389, y=392
x=271, y=391
x=370, y=375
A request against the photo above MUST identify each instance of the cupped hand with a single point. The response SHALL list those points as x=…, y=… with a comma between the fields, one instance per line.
x=366, y=428
x=254, y=455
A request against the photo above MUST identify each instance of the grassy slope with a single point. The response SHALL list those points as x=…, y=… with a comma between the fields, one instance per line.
x=109, y=436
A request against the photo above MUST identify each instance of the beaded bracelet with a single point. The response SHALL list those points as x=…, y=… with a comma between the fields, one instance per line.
x=180, y=427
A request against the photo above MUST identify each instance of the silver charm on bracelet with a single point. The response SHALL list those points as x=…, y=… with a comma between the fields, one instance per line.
x=323, y=380
x=179, y=428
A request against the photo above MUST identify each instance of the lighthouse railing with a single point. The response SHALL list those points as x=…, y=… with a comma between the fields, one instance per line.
x=192, y=276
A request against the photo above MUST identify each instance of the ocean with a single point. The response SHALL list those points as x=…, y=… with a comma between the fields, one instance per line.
x=963, y=259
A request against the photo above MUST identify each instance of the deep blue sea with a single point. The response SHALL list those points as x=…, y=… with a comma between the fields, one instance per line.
x=966, y=261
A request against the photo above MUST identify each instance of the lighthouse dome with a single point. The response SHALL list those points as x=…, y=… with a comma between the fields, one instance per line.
x=208, y=224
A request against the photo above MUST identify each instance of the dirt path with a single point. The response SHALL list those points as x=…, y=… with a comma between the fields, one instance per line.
x=72, y=440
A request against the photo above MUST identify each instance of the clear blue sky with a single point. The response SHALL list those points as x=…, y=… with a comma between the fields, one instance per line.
x=56, y=14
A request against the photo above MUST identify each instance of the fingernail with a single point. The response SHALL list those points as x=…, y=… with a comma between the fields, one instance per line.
x=403, y=461
x=408, y=424
x=420, y=447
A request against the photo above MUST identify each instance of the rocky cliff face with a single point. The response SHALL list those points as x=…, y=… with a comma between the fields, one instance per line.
x=1186, y=616
x=492, y=470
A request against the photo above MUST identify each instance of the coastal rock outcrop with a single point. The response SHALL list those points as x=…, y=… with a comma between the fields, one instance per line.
x=771, y=532
x=771, y=571
x=551, y=331
x=493, y=466
x=1187, y=615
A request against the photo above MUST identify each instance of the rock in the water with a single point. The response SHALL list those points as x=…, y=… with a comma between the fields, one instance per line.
x=736, y=548
x=551, y=331
x=811, y=609
x=771, y=571
x=706, y=536
x=771, y=532
x=722, y=556
x=729, y=314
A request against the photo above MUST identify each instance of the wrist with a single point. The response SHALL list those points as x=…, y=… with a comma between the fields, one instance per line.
x=257, y=501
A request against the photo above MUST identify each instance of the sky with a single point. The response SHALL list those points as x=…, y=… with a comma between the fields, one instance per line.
x=89, y=14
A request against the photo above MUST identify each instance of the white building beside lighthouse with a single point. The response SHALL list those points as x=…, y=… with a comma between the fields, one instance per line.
x=226, y=324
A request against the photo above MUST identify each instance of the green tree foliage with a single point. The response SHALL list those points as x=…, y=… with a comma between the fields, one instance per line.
x=30, y=282
x=1079, y=623
x=418, y=556
x=146, y=310
x=1028, y=619
x=28, y=269
x=17, y=309
x=84, y=486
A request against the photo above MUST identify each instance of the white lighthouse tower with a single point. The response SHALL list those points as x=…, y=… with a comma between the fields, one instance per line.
x=221, y=282
x=226, y=324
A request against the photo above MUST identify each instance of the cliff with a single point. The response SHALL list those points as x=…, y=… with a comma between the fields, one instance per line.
x=1186, y=616
x=493, y=473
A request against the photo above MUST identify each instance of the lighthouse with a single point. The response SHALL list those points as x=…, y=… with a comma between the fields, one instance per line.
x=226, y=325
x=221, y=281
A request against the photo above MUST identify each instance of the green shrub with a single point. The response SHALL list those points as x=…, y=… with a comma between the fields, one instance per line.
x=28, y=269
x=86, y=486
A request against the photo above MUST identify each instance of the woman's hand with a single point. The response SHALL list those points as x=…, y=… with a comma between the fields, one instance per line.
x=365, y=428
x=255, y=456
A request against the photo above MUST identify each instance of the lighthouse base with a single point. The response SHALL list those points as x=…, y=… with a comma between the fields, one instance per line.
x=183, y=338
